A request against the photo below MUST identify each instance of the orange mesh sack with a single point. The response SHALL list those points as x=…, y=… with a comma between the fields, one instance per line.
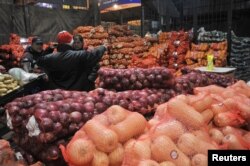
x=79, y=151
x=137, y=150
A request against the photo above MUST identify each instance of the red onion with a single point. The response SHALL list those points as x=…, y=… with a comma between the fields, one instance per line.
x=12, y=110
x=87, y=116
x=58, y=128
x=151, y=78
x=16, y=120
x=46, y=137
x=158, y=78
x=52, y=107
x=66, y=94
x=89, y=99
x=100, y=107
x=46, y=124
x=47, y=97
x=40, y=113
x=89, y=106
x=54, y=115
x=58, y=97
x=75, y=117
x=24, y=112
x=73, y=128
x=64, y=119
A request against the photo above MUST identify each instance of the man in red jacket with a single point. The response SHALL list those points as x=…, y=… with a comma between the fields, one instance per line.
x=68, y=69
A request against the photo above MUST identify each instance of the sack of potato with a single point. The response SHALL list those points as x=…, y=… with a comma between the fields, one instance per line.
x=7, y=84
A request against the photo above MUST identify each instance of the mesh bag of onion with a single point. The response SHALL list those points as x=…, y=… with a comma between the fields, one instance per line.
x=135, y=78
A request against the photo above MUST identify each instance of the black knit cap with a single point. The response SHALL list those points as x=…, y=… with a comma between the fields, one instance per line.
x=37, y=40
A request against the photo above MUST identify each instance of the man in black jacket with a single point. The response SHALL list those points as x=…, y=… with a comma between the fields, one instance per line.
x=68, y=69
x=92, y=73
x=32, y=53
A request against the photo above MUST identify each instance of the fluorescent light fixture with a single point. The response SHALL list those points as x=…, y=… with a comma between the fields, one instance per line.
x=115, y=6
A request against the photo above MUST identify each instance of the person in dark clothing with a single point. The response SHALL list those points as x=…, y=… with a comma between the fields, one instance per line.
x=92, y=74
x=68, y=69
x=32, y=53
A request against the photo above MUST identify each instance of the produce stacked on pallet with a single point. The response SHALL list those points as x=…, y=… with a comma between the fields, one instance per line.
x=211, y=36
x=124, y=46
x=93, y=37
x=136, y=78
x=193, y=78
x=43, y=121
x=11, y=54
x=197, y=56
x=38, y=125
x=146, y=62
x=8, y=157
x=7, y=84
x=177, y=47
x=181, y=132
x=240, y=57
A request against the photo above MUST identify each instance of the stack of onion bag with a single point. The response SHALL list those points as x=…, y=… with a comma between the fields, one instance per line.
x=136, y=78
x=11, y=54
x=211, y=36
x=93, y=37
x=39, y=121
x=198, y=54
x=124, y=45
x=181, y=132
x=240, y=57
x=177, y=47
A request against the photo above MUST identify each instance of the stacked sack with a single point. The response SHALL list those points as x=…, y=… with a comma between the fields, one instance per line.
x=11, y=54
x=93, y=37
x=180, y=133
x=197, y=56
x=177, y=47
x=240, y=57
x=124, y=46
x=211, y=36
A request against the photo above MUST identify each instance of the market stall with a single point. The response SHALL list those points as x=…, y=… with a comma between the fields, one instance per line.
x=165, y=101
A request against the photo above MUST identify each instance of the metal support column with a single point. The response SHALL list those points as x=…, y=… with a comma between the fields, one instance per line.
x=142, y=18
x=195, y=18
x=229, y=25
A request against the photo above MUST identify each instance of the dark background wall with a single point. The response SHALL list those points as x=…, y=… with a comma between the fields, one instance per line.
x=30, y=20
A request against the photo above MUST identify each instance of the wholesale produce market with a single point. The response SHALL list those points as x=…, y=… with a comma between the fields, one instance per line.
x=124, y=83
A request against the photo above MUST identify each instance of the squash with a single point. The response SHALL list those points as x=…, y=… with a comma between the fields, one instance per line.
x=185, y=114
x=104, y=138
x=164, y=149
x=78, y=152
x=133, y=125
x=100, y=159
x=235, y=142
x=199, y=160
x=116, y=156
x=216, y=135
x=171, y=128
x=201, y=102
x=232, y=130
x=229, y=119
x=116, y=114
x=207, y=115
x=190, y=145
